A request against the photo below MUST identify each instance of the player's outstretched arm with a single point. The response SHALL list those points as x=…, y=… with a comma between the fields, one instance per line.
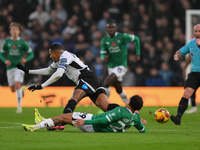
x=57, y=75
x=44, y=71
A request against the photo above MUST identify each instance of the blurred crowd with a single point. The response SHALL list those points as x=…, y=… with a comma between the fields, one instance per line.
x=79, y=25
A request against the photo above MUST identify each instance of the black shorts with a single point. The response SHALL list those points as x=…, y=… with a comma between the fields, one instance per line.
x=193, y=80
x=91, y=84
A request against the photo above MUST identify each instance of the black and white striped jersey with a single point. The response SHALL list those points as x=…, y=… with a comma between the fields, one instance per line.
x=71, y=64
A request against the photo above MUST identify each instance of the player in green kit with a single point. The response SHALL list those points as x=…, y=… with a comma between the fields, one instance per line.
x=14, y=49
x=114, y=52
x=116, y=120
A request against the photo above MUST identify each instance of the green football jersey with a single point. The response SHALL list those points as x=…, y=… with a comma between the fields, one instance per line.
x=117, y=120
x=15, y=50
x=116, y=48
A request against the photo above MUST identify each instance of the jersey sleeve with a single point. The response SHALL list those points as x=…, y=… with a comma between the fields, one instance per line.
x=53, y=65
x=65, y=60
x=4, y=47
x=140, y=127
x=2, y=51
x=27, y=48
x=128, y=37
x=103, y=51
x=185, y=49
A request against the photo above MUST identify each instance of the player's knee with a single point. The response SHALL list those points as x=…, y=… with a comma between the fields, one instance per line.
x=17, y=85
x=188, y=93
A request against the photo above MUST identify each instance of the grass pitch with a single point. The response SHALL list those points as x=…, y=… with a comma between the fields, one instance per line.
x=159, y=136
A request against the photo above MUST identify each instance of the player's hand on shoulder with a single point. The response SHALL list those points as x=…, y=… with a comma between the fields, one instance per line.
x=35, y=87
x=78, y=122
x=23, y=68
x=8, y=63
x=22, y=60
x=144, y=122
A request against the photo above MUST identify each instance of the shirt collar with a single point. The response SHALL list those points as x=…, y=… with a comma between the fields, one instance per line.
x=129, y=110
x=12, y=38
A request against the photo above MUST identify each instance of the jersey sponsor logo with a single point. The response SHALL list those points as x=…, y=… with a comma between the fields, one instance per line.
x=114, y=49
x=14, y=52
x=113, y=44
x=84, y=86
x=63, y=60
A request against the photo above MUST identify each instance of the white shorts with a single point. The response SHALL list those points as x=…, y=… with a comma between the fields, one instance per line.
x=84, y=116
x=14, y=75
x=119, y=71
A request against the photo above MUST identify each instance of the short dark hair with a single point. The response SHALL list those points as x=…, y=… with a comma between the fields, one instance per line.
x=111, y=21
x=55, y=47
x=136, y=102
x=15, y=24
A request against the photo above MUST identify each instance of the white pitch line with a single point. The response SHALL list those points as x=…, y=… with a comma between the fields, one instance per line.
x=10, y=127
x=11, y=123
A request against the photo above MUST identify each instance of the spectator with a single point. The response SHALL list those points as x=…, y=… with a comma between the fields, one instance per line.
x=60, y=12
x=154, y=78
x=40, y=15
x=166, y=73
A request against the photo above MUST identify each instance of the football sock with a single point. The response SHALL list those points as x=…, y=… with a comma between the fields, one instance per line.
x=19, y=97
x=69, y=108
x=112, y=106
x=123, y=96
x=108, y=91
x=193, y=100
x=46, y=123
x=182, y=107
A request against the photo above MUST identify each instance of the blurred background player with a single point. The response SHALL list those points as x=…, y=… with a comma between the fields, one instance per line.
x=193, y=109
x=119, y=119
x=12, y=53
x=114, y=52
x=193, y=81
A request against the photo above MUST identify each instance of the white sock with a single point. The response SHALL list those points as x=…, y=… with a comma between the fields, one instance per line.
x=19, y=97
x=108, y=91
x=123, y=96
x=46, y=123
